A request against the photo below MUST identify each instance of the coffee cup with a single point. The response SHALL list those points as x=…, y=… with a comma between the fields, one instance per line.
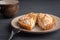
x=9, y=8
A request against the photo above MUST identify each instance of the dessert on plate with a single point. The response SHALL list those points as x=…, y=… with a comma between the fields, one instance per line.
x=27, y=21
x=45, y=21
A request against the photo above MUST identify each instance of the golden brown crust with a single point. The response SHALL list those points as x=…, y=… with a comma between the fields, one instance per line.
x=41, y=21
x=32, y=14
x=50, y=26
x=27, y=26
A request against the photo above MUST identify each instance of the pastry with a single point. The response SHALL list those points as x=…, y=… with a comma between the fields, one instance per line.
x=28, y=21
x=45, y=21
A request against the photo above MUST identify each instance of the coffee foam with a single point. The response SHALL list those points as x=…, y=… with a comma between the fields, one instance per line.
x=2, y=2
x=8, y=2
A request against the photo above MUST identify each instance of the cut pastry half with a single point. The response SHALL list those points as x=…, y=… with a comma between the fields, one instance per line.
x=28, y=21
x=45, y=21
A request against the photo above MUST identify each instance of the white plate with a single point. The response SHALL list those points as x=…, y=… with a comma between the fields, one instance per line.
x=36, y=29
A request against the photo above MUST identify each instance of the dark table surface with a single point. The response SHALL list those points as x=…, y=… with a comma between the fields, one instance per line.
x=47, y=6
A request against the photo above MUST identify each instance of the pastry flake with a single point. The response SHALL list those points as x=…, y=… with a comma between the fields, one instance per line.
x=28, y=21
x=45, y=21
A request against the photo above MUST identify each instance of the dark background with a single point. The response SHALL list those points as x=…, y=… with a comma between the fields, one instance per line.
x=46, y=6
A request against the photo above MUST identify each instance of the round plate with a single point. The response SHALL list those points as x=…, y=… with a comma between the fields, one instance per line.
x=37, y=29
